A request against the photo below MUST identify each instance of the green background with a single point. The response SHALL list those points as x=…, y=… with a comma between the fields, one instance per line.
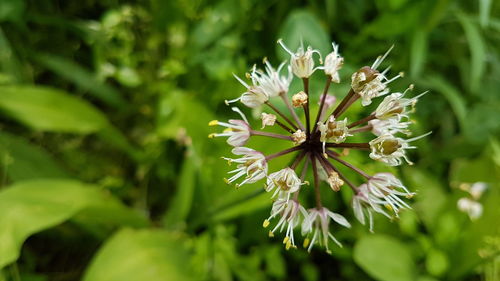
x=107, y=172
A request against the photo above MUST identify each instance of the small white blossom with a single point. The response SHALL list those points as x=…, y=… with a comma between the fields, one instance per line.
x=472, y=208
x=316, y=224
x=291, y=213
x=389, y=126
x=363, y=203
x=477, y=189
x=298, y=137
x=334, y=181
x=333, y=62
x=272, y=83
x=302, y=61
x=390, y=149
x=253, y=97
x=237, y=131
x=385, y=189
x=333, y=131
x=267, y=119
x=252, y=165
x=394, y=106
x=284, y=182
x=299, y=99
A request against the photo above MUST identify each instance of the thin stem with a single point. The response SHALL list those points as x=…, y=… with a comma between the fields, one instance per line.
x=362, y=121
x=334, y=155
x=350, y=145
x=343, y=103
x=283, y=152
x=306, y=106
x=298, y=159
x=316, y=182
x=269, y=134
x=304, y=168
x=292, y=111
x=326, y=162
x=362, y=129
x=346, y=106
x=322, y=104
x=281, y=114
x=284, y=127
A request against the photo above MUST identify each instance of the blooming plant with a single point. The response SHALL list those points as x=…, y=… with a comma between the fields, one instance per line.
x=317, y=143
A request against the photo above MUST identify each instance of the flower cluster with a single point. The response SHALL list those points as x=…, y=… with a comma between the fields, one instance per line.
x=320, y=144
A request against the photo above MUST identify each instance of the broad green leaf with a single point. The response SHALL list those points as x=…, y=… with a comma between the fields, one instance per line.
x=11, y=10
x=477, y=51
x=385, y=258
x=31, y=206
x=22, y=160
x=303, y=25
x=454, y=97
x=48, y=109
x=9, y=62
x=418, y=52
x=139, y=255
x=82, y=77
x=436, y=262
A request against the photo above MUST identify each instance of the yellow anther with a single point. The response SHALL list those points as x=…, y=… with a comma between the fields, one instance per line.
x=402, y=74
x=228, y=130
x=286, y=240
x=306, y=243
x=306, y=182
x=213, y=123
x=226, y=181
x=388, y=207
x=288, y=245
x=265, y=223
x=211, y=136
x=271, y=234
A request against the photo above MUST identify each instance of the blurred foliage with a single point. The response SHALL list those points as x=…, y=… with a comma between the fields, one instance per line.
x=107, y=173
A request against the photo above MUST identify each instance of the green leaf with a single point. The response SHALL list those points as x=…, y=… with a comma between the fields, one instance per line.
x=384, y=258
x=22, y=160
x=303, y=25
x=82, y=77
x=139, y=255
x=9, y=62
x=418, y=52
x=484, y=12
x=454, y=97
x=11, y=10
x=477, y=51
x=49, y=109
x=181, y=203
x=436, y=262
x=31, y=206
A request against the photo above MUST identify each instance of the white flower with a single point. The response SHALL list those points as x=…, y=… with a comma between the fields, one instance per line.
x=363, y=203
x=316, y=224
x=272, y=83
x=390, y=149
x=333, y=131
x=394, y=106
x=302, y=61
x=385, y=189
x=477, y=189
x=253, y=97
x=267, y=119
x=333, y=62
x=334, y=181
x=389, y=126
x=284, y=182
x=472, y=208
x=299, y=99
x=290, y=212
x=298, y=137
x=238, y=131
x=253, y=164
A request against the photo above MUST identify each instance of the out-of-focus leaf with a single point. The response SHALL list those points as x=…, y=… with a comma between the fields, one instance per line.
x=436, y=262
x=430, y=196
x=384, y=258
x=418, y=52
x=484, y=12
x=32, y=206
x=453, y=96
x=485, y=114
x=477, y=51
x=181, y=203
x=49, y=109
x=138, y=255
x=11, y=10
x=255, y=201
x=473, y=170
x=302, y=25
x=8, y=60
x=82, y=77
x=22, y=160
